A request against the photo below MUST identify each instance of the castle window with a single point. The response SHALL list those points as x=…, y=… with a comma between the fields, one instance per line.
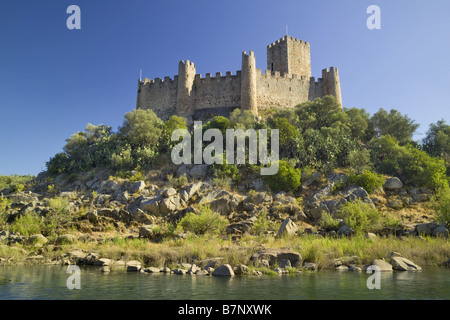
x=272, y=66
x=290, y=89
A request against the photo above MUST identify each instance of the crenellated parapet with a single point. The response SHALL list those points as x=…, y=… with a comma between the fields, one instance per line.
x=286, y=82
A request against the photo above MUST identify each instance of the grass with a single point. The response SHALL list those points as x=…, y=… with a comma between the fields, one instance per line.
x=322, y=251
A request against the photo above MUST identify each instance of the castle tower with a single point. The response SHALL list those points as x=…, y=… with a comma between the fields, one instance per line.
x=248, y=83
x=289, y=56
x=186, y=75
x=332, y=85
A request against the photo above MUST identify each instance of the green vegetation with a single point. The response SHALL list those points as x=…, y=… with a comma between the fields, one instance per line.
x=287, y=178
x=441, y=204
x=360, y=216
x=206, y=221
x=15, y=182
x=368, y=180
x=315, y=136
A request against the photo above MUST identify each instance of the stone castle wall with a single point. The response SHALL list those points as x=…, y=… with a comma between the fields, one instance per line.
x=285, y=84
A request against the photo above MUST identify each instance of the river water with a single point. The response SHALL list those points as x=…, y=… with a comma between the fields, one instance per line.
x=50, y=283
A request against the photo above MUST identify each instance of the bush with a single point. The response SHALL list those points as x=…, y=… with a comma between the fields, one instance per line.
x=286, y=179
x=328, y=223
x=441, y=204
x=367, y=180
x=177, y=182
x=262, y=224
x=28, y=224
x=360, y=216
x=207, y=221
x=411, y=165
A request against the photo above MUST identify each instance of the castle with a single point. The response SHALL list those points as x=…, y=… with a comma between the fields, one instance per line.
x=286, y=83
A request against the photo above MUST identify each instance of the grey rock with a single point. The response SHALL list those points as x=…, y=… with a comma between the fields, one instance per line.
x=170, y=192
x=141, y=217
x=345, y=231
x=102, y=262
x=284, y=263
x=151, y=205
x=287, y=228
x=310, y=266
x=370, y=235
x=241, y=269
x=403, y=264
x=425, y=228
x=342, y=268
x=193, y=269
x=393, y=184
x=152, y=270
x=37, y=238
x=133, y=266
x=440, y=231
x=179, y=271
x=66, y=239
x=137, y=187
x=324, y=192
x=223, y=270
x=189, y=191
x=383, y=265
x=146, y=231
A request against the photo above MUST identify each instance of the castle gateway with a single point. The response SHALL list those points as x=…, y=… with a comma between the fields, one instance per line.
x=286, y=83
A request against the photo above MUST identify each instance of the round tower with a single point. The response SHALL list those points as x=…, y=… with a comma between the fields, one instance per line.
x=186, y=75
x=248, y=83
x=332, y=85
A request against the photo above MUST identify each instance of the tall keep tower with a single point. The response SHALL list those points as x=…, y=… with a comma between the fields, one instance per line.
x=289, y=56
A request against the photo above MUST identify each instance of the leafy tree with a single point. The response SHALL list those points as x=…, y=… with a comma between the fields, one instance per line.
x=437, y=142
x=242, y=119
x=394, y=124
x=411, y=165
x=323, y=114
x=289, y=137
x=172, y=124
x=141, y=128
x=358, y=123
x=359, y=160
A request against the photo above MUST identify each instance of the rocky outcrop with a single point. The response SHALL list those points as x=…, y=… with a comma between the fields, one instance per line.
x=393, y=184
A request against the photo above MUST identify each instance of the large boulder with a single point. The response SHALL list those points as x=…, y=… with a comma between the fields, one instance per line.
x=133, y=266
x=425, y=229
x=393, y=184
x=440, y=231
x=287, y=228
x=150, y=205
x=224, y=270
x=403, y=264
x=383, y=265
x=324, y=192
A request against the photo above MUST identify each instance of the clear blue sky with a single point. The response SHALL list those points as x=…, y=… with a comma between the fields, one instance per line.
x=53, y=81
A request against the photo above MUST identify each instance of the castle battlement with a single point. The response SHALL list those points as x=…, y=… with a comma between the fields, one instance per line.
x=286, y=82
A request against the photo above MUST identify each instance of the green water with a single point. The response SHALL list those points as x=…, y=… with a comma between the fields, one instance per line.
x=49, y=282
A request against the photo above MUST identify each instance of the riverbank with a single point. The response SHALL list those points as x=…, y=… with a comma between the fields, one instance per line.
x=306, y=252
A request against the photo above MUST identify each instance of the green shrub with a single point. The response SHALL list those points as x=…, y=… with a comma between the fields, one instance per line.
x=441, y=204
x=28, y=224
x=207, y=221
x=286, y=179
x=360, y=216
x=177, y=182
x=367, y=180
x=328, y=223
x=262, y=224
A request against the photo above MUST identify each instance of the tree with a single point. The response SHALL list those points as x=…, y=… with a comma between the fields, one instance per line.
x=289, y=137
x=172, y=124
x=358, y=122
x=437, y=141
x=142, y=128
x=394, y=124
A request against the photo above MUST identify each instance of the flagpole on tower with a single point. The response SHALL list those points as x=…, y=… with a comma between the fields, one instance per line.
x=140, y=75
x=287, y=30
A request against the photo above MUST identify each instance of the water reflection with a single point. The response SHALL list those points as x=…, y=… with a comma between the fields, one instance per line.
x=49, y=282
